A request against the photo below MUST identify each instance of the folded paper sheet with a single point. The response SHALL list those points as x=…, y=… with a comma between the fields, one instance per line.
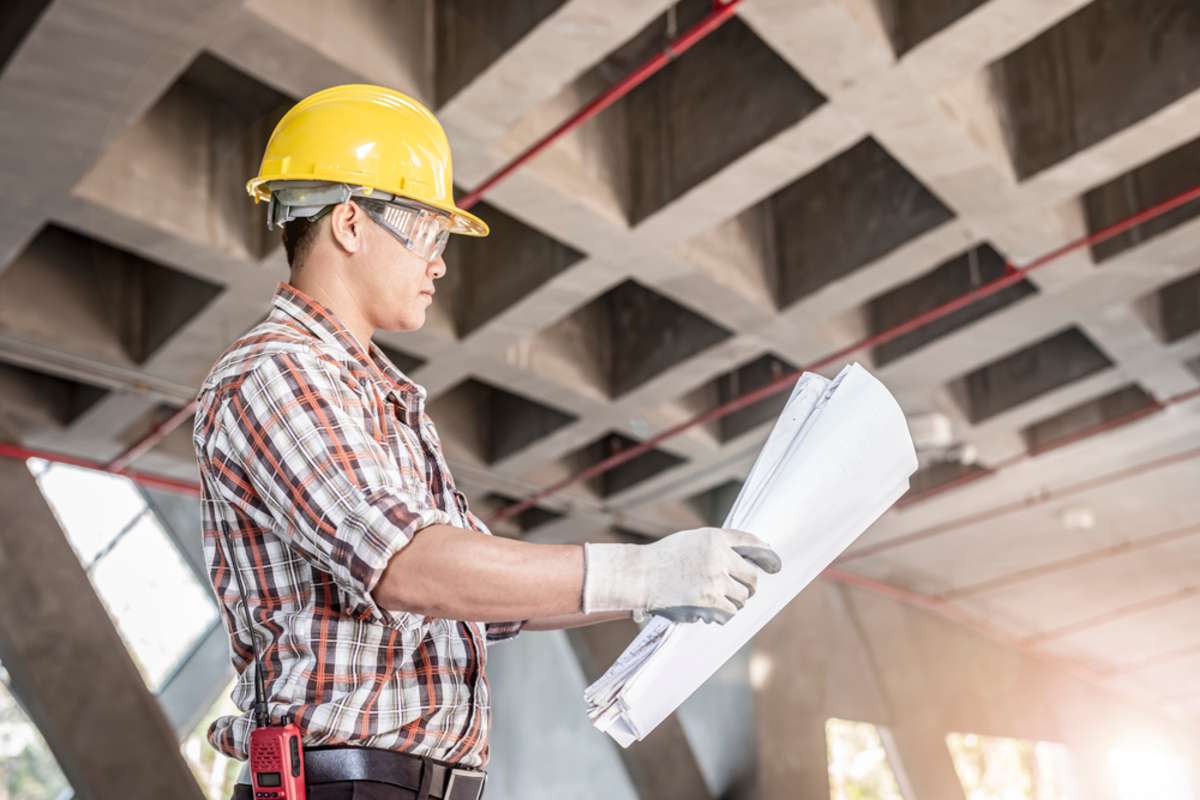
x=838, y=457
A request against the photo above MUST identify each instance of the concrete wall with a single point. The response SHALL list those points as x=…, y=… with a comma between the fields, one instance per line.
x=837, y=652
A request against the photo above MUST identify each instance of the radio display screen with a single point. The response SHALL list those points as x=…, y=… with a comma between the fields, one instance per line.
x=268, y=779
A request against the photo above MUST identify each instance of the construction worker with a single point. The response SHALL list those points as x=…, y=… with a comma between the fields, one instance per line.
x=372, y=587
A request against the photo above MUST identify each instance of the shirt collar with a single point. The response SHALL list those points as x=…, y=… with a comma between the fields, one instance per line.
x=320, y=321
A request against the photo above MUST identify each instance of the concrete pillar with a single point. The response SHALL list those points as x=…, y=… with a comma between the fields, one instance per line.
x=69, y=665
x=836, y=652
x=812, y=665
x=662, y=766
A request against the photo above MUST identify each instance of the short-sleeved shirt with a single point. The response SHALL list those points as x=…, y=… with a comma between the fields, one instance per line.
x=318, y=463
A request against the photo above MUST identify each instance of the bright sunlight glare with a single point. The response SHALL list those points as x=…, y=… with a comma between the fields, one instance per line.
x=1148, y=771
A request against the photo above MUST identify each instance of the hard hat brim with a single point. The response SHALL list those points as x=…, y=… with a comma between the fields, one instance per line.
x=465, y=222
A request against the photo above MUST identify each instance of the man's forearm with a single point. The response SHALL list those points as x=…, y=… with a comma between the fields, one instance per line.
x=455, y=573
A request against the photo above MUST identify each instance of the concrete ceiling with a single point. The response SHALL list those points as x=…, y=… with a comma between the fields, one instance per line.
x=812, y=172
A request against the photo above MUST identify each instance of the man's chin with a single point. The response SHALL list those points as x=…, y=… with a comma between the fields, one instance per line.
x=411, y=321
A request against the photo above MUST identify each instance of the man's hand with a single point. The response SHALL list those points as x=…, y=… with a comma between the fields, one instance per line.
x=706, y=574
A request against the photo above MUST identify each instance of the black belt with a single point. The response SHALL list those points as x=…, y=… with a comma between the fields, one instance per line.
x=422, y=776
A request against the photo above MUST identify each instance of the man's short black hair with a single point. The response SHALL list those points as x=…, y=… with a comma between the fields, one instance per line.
x=298, y=237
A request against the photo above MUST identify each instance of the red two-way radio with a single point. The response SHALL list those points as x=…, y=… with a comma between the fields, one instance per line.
x=277, y=762
x=276, y=753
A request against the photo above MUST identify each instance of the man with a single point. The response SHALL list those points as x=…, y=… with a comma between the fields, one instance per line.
x=372, y=587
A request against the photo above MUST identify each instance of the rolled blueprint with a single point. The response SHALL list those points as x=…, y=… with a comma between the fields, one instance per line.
x=838, y=456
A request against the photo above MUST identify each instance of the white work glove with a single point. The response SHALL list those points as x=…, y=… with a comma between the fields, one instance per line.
x=706, y=574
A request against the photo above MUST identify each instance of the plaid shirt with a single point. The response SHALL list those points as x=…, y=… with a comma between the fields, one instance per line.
x=318, y=463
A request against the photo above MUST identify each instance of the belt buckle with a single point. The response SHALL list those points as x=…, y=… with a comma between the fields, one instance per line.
x=467, y=776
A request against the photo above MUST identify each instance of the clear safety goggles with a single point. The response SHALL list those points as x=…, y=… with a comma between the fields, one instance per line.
x=422, y=231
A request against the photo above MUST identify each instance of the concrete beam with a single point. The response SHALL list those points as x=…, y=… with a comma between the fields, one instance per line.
x=72, y=292
x=607, y=338
x=486, y=424
x=34, y=401
x=1175, y=309
x=950, y=279
x=697, y=114
x=69, y=665
x=1102, y=69
x=625, y=475
x=742, y=380
x=469, y=35
x=204, y=136
x=1027, y=373
x=908, y=25
x=58, y=121
x=1146, y=185
x=492, y=274
x=1114, y=405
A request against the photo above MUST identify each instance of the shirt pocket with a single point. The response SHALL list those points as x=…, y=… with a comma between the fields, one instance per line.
x=406, y=450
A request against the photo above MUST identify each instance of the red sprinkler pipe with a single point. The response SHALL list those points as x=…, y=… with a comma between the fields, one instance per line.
x=1054, y=444
x=956, y=615
x=1070, y=562
x=147, y=479
x=921, y=320
x=161, y=431
x=1153, y=660
x=1132, y=609
x=721, y=11
x=934, y=605
x=941, y=529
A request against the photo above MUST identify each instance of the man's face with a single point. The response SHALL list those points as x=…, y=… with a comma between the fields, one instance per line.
x=395, y=286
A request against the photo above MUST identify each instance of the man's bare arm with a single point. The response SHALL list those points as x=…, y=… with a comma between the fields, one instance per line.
x=454, y=573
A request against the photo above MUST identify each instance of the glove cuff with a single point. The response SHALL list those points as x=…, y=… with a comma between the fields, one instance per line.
x=612, y=579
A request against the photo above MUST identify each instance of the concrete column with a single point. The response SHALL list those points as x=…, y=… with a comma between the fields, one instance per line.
x=68, y=663
x=662, y=766
x=920, y=746
x=812, y=665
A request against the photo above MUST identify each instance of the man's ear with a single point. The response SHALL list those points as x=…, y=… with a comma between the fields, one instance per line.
x=347, y=226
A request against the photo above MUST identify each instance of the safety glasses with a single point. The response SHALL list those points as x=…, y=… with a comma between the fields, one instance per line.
x=422, y=231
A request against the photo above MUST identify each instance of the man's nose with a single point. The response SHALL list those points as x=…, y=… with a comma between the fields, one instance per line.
x=437, y=269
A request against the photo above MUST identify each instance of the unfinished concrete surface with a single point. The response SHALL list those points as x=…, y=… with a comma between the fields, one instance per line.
x=812, y=173
x=58, y=646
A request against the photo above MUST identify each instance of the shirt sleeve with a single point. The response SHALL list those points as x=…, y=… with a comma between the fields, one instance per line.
x=298, y=448
x=503, y=631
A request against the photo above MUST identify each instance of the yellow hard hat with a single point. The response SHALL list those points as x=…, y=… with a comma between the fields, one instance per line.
x=365, y=136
